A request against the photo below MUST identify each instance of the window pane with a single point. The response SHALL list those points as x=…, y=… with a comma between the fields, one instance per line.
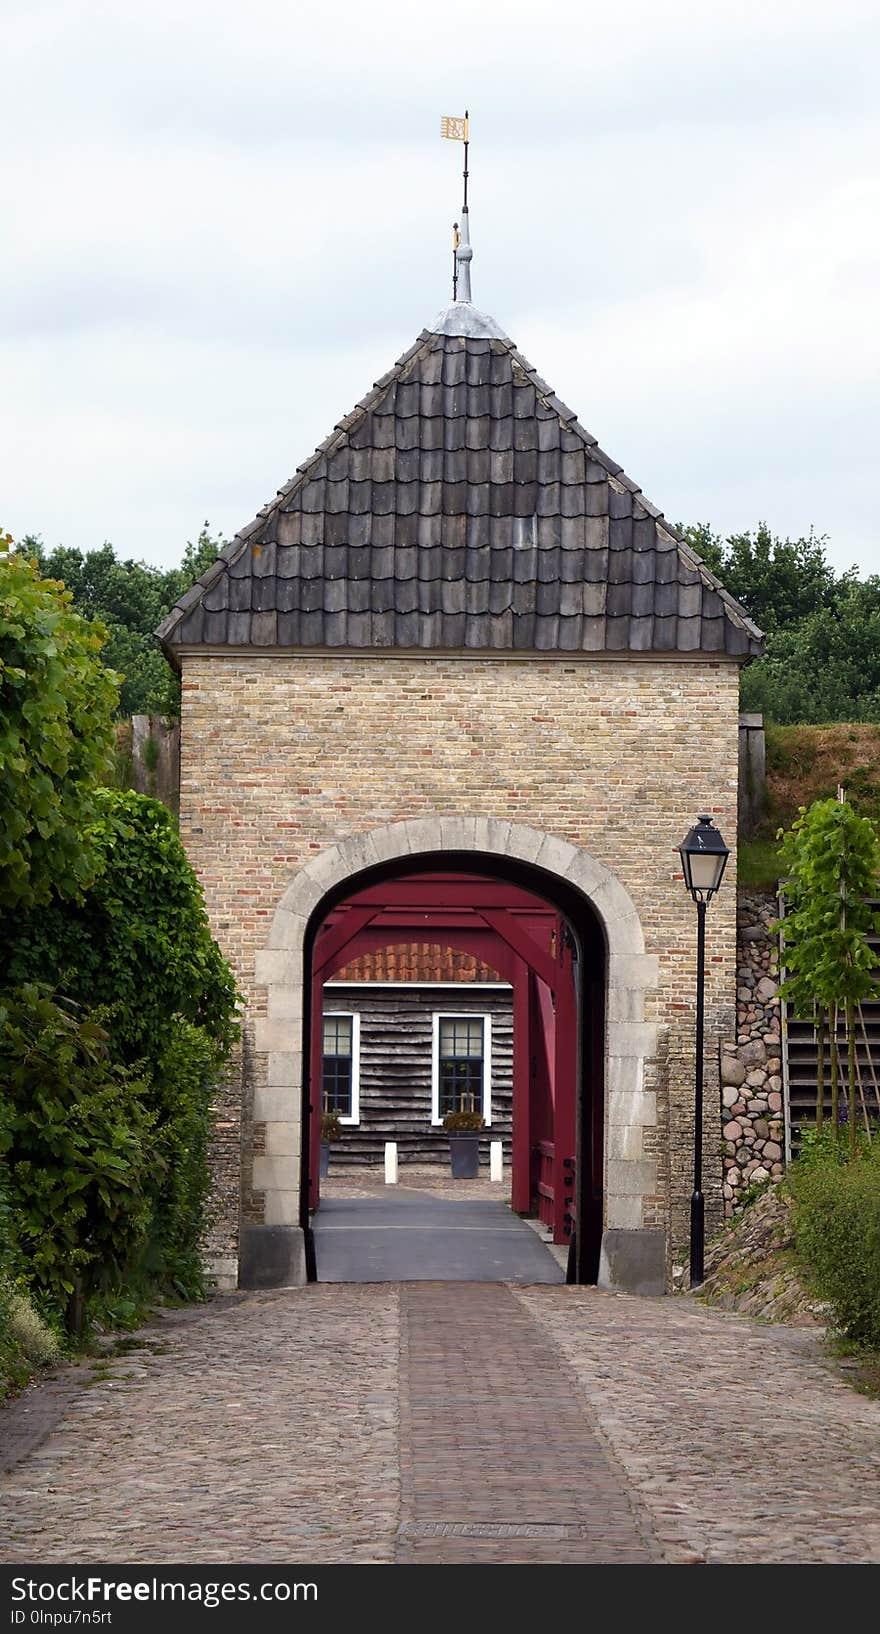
x=336, y=1081
x=337, y=1035
x=461, y=1086
x=461, y=1037
x=461, y=1064
x=337, y=1085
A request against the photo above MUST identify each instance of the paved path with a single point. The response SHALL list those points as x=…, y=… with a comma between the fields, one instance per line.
x=499, y=1461
x=437, y=1422
x=413, y=1237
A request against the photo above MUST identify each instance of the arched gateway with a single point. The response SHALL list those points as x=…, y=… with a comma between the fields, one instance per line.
x=633, y=1252
x=462, y=631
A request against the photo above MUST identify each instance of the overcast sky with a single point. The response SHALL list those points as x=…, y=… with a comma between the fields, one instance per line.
x=221, y=222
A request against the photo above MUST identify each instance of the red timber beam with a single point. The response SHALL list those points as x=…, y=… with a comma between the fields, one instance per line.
x=564, y=1108
x=316, y=1096
x=453, y=891
x=334, y=939
x=521, y=1156
x=513, y=932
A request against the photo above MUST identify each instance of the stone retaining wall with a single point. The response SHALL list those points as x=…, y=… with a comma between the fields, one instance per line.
x=751, y=1064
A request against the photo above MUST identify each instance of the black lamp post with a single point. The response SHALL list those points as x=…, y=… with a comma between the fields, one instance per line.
x=703, y=858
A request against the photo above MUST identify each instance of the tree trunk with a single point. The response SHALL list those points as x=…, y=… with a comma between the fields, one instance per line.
x=74, y=1312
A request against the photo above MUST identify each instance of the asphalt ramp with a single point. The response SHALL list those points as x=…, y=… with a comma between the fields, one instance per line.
x=401, y=1238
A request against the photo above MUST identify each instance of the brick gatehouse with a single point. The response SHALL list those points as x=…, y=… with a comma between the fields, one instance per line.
x=462, y=639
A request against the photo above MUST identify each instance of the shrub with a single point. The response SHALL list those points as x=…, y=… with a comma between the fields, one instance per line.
x=56, y=736
x=836, y=1221
x=182, y=1096
x=331, y=1128
x=159, y=1002
x=27, y=1330
x=14, y=1368
x=138, y=944
x=75, y=1132
x=461, y=1123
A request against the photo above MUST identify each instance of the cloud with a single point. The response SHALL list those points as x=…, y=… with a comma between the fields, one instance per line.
x=222, y=223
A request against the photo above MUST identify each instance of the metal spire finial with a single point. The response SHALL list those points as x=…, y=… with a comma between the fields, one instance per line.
x=462, y=254
x=463, y=257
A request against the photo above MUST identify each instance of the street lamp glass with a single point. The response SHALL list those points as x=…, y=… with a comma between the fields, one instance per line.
x=703, y=859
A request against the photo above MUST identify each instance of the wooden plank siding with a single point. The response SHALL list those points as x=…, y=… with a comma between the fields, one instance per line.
x=395, y=1068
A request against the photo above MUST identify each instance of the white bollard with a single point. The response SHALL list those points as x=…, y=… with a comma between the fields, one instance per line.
x=496, y=1160
x=391, y=1162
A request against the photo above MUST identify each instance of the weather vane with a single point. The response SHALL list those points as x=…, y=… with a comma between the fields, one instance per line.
x=456, y=130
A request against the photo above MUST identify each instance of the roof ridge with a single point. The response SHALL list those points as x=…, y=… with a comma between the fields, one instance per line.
x=425, y=342
x=636, y=619
x=616, y=473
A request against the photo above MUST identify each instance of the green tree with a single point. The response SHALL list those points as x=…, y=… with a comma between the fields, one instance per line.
x=199, y=554
x=56, y=736
x=822, y=658
x=831, y=862
x=778, y=581
x=131, y=598
x=708, y=545
x=827, y=666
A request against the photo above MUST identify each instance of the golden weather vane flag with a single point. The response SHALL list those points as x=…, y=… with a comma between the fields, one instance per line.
x=456, y=130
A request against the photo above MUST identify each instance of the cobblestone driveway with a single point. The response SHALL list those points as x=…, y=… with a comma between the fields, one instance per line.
x=439, y=1422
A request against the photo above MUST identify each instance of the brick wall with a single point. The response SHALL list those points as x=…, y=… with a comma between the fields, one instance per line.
x=285, y=755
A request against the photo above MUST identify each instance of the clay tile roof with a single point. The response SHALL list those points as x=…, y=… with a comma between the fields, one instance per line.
x=461, y=506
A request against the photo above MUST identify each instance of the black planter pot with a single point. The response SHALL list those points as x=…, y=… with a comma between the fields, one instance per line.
x=464, y=1150
x=324, y=1166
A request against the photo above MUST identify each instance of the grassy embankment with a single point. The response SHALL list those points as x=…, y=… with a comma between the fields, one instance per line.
x=806, y=763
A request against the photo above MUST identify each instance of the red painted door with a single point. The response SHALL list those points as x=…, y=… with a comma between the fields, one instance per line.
x=315, y=1092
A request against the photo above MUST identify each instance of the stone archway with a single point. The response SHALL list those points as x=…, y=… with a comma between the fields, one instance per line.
x=273, y=1253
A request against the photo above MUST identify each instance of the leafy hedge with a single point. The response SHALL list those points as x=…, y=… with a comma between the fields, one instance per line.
x=117, y=1008
x=836, y=1218
x=182, y=1095
x=138, y=944
x=117, y=1013
x=76, y=1137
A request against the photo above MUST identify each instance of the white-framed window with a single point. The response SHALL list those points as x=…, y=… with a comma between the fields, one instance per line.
x=461, y=1065
x=340, y=1077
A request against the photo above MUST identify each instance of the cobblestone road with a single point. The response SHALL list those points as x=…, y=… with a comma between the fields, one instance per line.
x=435, y=1422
